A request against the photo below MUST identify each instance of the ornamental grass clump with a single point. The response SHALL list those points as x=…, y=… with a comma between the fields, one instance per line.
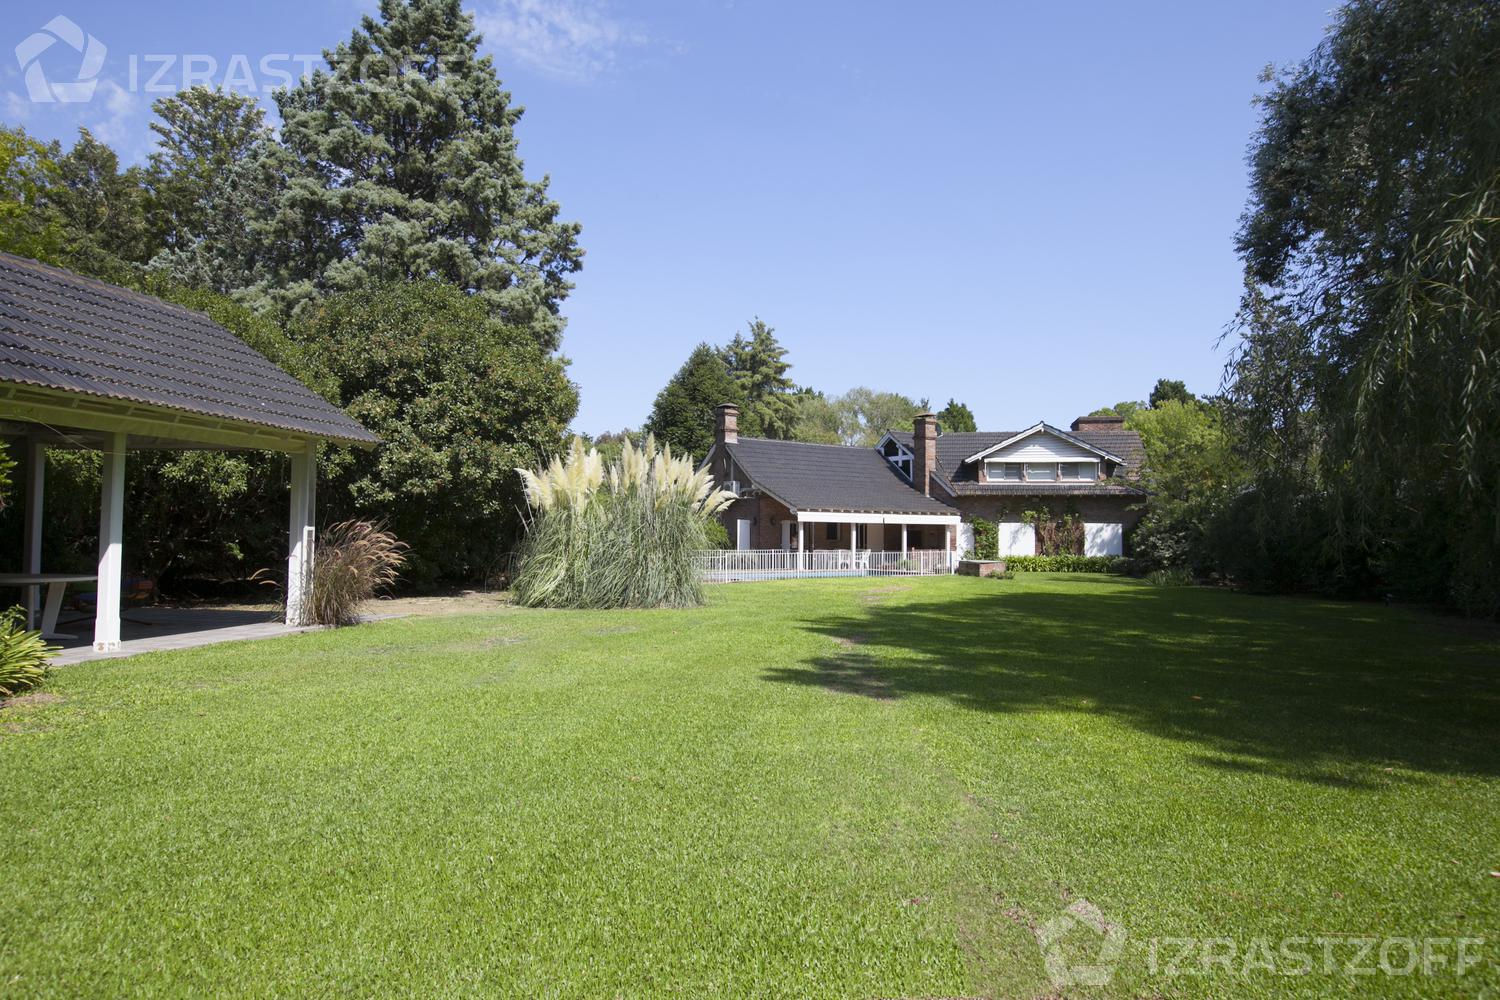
x=618, y=536
x=355, y=560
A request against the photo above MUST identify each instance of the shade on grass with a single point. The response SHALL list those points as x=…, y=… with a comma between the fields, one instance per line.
x=808, y=788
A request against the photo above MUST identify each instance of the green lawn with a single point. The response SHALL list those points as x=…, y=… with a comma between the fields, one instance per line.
x=844, y=788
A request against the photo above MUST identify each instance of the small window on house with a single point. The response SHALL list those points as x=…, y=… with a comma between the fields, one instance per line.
x=1079, y=471
x=1041, y=472
x=998, y=472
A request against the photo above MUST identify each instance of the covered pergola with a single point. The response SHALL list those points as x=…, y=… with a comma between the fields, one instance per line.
x=85, y=364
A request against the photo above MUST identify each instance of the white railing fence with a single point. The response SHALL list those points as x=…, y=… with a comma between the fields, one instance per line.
x=739, y=565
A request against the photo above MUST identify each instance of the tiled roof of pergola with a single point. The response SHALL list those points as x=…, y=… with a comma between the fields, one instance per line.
x=62, y=331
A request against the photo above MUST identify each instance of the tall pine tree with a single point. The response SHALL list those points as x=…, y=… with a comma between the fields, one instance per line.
x=401, y=164
x=683, y=415
x=758, y=365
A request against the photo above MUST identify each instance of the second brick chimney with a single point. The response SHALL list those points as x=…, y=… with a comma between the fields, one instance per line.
x=726, y=423
x=924, y=451
x=1105, y=423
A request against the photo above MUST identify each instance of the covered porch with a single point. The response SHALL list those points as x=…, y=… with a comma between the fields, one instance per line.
x=87, y=365
x=818, y=531
x=34, y=423
x=841, y=543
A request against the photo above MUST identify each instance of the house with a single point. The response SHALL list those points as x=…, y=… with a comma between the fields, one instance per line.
x=923, y=489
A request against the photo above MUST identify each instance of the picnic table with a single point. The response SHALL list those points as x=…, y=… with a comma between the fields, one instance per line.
x=56, y=583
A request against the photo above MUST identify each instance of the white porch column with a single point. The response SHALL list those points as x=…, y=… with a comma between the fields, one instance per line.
x=111, y=547
x=31, y=557
x=301, y=533
x=801, y=546
x=853, y=540
x=903, y=541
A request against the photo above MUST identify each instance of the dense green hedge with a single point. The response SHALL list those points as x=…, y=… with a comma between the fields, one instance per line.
x=1065, y=564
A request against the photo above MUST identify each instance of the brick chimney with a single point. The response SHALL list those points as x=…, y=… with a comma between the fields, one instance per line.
x=1098, y=424
x=726, y=423
x=924, y=451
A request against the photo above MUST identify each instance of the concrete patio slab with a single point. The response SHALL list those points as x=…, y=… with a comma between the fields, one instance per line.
x=152, y=630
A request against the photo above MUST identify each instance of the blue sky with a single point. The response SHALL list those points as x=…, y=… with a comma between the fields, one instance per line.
x=1028, y=207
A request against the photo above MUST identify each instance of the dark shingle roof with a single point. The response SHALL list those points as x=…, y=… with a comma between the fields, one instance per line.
x=955, y=446
x=64, y=331
x=830, y=477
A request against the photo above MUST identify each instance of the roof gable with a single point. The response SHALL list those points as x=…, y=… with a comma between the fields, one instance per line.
x=1043, y=428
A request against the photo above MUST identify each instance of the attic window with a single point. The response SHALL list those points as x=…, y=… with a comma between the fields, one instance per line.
x=1085, y=472
x=1003, y=472
x=1041, y=472
x=898, y=456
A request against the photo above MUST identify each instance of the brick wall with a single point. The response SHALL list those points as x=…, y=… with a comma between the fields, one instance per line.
x=765, y=515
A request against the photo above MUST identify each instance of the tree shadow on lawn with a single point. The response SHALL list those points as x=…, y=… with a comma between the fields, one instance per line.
x=1300, y=688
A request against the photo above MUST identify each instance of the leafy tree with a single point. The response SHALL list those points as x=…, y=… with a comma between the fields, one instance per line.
x=683, y=414
x=214, y=176
x=100, y=211
x=401, y=164
x=1374, y=225
x=956, y=417
x=758, y=365
x=1190, y=472
x=27, y=172
x=459, y=401
x=866, y=414
x=1124, y=408
x=203, y=136
x=817, y=418
x=1170, y=390
x=611, y=444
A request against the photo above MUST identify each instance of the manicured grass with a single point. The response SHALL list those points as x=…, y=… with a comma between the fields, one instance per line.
x=844, y=788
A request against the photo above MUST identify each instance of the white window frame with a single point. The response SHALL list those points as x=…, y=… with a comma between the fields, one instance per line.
x=1039, y=465
x=991, y=464
x=1090, y=468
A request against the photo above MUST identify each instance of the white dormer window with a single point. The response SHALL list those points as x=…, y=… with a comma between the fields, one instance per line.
x=1041, y=472
x=898, y=456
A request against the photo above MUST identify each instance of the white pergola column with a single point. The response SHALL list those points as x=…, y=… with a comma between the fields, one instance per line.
x=301, y=535
x=31, y=556
x=111, y=545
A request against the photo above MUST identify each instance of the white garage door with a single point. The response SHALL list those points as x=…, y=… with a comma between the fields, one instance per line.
x=1103, y=539
x=1017, y=539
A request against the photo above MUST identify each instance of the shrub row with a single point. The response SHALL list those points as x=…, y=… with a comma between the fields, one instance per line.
x=1065, y=564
